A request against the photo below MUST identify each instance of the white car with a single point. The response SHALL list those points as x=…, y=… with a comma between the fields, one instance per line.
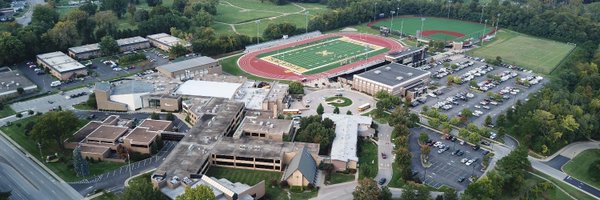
x=468, y=163
x=464, y=160
x=308, y=101
x=477, y=106
x=437, y=144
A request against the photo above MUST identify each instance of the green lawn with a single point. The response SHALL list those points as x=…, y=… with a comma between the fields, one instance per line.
x=250, y=28
x=410, y=26
x=566, y=187
x=530, y=182
x=324, y=54
x=336, y=178
x=344, y=101
x=83, y=106
x=367, y=159
x=382, y=120
x=62, y=168
x=539, y=55
x=252, y=177
x=263, y=6
x=6, y=111
x=578, y=166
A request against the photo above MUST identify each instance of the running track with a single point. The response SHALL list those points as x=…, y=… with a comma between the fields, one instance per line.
x=251, y=64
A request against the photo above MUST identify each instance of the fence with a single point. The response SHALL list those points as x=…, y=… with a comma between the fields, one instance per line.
x=278, y=42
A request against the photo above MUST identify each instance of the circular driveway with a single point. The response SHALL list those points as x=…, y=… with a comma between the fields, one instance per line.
x=313, y=98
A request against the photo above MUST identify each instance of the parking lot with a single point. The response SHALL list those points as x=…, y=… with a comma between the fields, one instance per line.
x=478, y=83
x=100, y=70
x=47, y=103
x=446, y=169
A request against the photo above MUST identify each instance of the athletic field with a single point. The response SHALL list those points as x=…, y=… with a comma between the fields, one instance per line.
x=437, y=28
x=539, y=55
x=322, y=55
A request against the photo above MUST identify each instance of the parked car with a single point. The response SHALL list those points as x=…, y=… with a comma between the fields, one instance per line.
x=485, y=152
x=476, y=147
x=464, y=160
x=486, y=143
x=461, y=179
x=383, y=156
x=382, y=181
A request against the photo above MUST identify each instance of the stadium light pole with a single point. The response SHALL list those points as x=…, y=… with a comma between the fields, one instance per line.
x=401, y=28
x=392, y=22
x=497, y=21
x=449, y=2
x=481, y=16
x=257, y=27
x=483, y=32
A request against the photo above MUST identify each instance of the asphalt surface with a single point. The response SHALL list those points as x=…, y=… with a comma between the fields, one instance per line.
x=583, y=186
x=557, y=162
x=28, y=179
x=384, y=146
x=450, y=91
x=313, y=98
x=445, y=168
x=114, y=181
x=26, y=18
x=47, y=103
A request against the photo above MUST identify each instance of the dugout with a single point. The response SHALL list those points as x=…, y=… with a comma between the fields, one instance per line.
x=412, y=57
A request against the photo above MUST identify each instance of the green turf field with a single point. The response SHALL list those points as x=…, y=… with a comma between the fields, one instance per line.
x=578, y=166
x=539, y=55
x=322, y=54
x=410, y=26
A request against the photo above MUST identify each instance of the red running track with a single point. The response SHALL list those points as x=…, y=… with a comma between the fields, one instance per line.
x=251, y=64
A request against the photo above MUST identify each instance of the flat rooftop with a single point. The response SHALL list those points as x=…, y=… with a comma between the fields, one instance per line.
x=131, y=40
x=187, y=64
x=399, y=54
x=60, y=62
x=193, y=150
x=267, y=126
x=94, y=149
x=107, y=132
x=168, y=40
x=156, y=125
x=10, y=80
x=343, y=147
x=85, y=48
x=141, y=135
x=393, y=74
x=208, y=89
x=131, y=87
x=259, y=148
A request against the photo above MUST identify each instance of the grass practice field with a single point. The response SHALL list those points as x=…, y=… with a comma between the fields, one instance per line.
x=578, y=167
x=322, y=55
x=539, y=55
x=436, y=27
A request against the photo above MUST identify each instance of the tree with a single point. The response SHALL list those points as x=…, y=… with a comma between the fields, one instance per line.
x=155, y=116
x=5, y=195
x=366, y=189
x=55, y=126
x=474, y=137
x=117, y=6
x=106, y=23
x=423, y=137
x=89, y=7
x=278, y=30
x=141, y=15
x=11, y=49
x=450, y=194
x=91, y=102
x=203, y=19
x=296, y=88
x=348, y=112
x=19, y=115
x=385, y=193
x=44, y=16
x=178, y=51
x=131, y=9
x=153, y=3
x=488, y=121
x=320, y=109
x=108, y=46
x=141, y=189
x=336, y=110
x=199, y=192
x=465, y=114
x=463, y=133
x=593, y=170
x=64, y=34
x=79, y=164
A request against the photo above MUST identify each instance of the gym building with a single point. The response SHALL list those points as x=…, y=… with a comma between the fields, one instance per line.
x=395, y=78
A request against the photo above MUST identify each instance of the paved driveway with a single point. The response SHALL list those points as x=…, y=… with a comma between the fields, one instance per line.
x=313, y=98
x=384, y=146
x=46, y=103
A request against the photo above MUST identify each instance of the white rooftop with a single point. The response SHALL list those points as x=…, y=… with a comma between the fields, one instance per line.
x=208, y=89
x=343, y=147
x=60, y=62
x=168, y=40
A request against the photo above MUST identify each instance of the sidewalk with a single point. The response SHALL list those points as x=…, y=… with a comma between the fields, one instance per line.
x=572, y=150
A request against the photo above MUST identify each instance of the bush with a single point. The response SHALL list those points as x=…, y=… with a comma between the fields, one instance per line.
x=18, y=115
x=131, y=58
x=593, y=170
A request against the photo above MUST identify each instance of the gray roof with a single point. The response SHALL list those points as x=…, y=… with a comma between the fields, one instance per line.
x=405, y=52
x=132, y=87
x=104, y=86
x=187, y=64
x=393, y=74
x=305, y=163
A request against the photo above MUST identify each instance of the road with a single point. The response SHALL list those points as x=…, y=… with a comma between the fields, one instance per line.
x=28, y=179
x=26, y=18
x=314, y=98
x=384, y=146
x=47, y=103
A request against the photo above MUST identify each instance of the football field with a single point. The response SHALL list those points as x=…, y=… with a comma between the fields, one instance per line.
x=322, y=55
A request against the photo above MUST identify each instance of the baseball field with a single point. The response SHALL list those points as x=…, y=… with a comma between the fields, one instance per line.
x=322, y=55
x=539, y=55
x=437, y=28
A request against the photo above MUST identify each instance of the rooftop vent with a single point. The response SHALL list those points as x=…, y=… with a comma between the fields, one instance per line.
x=388, y=68
x=410, y=74
x=399, y=78
x=377, y=72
